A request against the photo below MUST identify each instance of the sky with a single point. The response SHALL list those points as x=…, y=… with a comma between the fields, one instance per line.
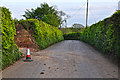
x=98, y=9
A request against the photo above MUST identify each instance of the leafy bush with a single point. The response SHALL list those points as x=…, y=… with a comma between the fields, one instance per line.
x=45, y=13
x=44, y=34
x=10, y=51
x=105, y=35
x=71, y=30
x=72, y=36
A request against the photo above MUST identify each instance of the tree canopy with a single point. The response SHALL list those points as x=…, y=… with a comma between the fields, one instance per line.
x=77, y=25
x=45, y=13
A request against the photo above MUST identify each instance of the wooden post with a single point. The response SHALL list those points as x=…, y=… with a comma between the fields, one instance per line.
x=87, y=15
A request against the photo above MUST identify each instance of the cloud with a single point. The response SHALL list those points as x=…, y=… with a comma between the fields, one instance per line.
x=98, y=9
x=59, y=1
x=63, y=1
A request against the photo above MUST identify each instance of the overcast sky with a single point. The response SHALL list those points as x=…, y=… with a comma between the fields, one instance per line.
x=98, y=9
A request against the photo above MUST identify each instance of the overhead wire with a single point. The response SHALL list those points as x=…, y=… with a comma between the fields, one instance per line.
x=92, y=14
x=78, y=10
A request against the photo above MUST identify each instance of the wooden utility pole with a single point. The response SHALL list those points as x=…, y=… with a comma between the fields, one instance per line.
x=87, y=15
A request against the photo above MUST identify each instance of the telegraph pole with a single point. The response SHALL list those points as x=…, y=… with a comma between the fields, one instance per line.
x=87, y=15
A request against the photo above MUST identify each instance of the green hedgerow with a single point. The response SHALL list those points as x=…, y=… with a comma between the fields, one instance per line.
x=10, y=52
x=44, y=34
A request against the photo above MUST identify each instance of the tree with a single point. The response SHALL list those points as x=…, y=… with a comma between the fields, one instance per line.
x=45, y=13
x=77, y=25
x=63, y=17
x=52, y=19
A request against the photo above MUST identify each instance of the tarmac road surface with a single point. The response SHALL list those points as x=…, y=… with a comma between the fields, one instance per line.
x=66, y=59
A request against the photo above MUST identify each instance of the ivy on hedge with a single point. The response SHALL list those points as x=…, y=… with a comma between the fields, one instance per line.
x=44, y=34
x=10, y=52
x=105, y=35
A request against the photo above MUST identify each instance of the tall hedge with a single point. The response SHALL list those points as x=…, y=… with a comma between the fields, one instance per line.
x=44, y=34
x=105, y=35
x=10, y=51
x=0, y=39
x=72, y=36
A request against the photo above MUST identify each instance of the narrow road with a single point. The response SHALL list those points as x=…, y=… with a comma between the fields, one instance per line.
x=66, y=59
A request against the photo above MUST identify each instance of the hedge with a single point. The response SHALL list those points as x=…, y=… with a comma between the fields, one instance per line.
x=72, y=36
x=10, y=52
x=104, y=35
x=44, y=34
